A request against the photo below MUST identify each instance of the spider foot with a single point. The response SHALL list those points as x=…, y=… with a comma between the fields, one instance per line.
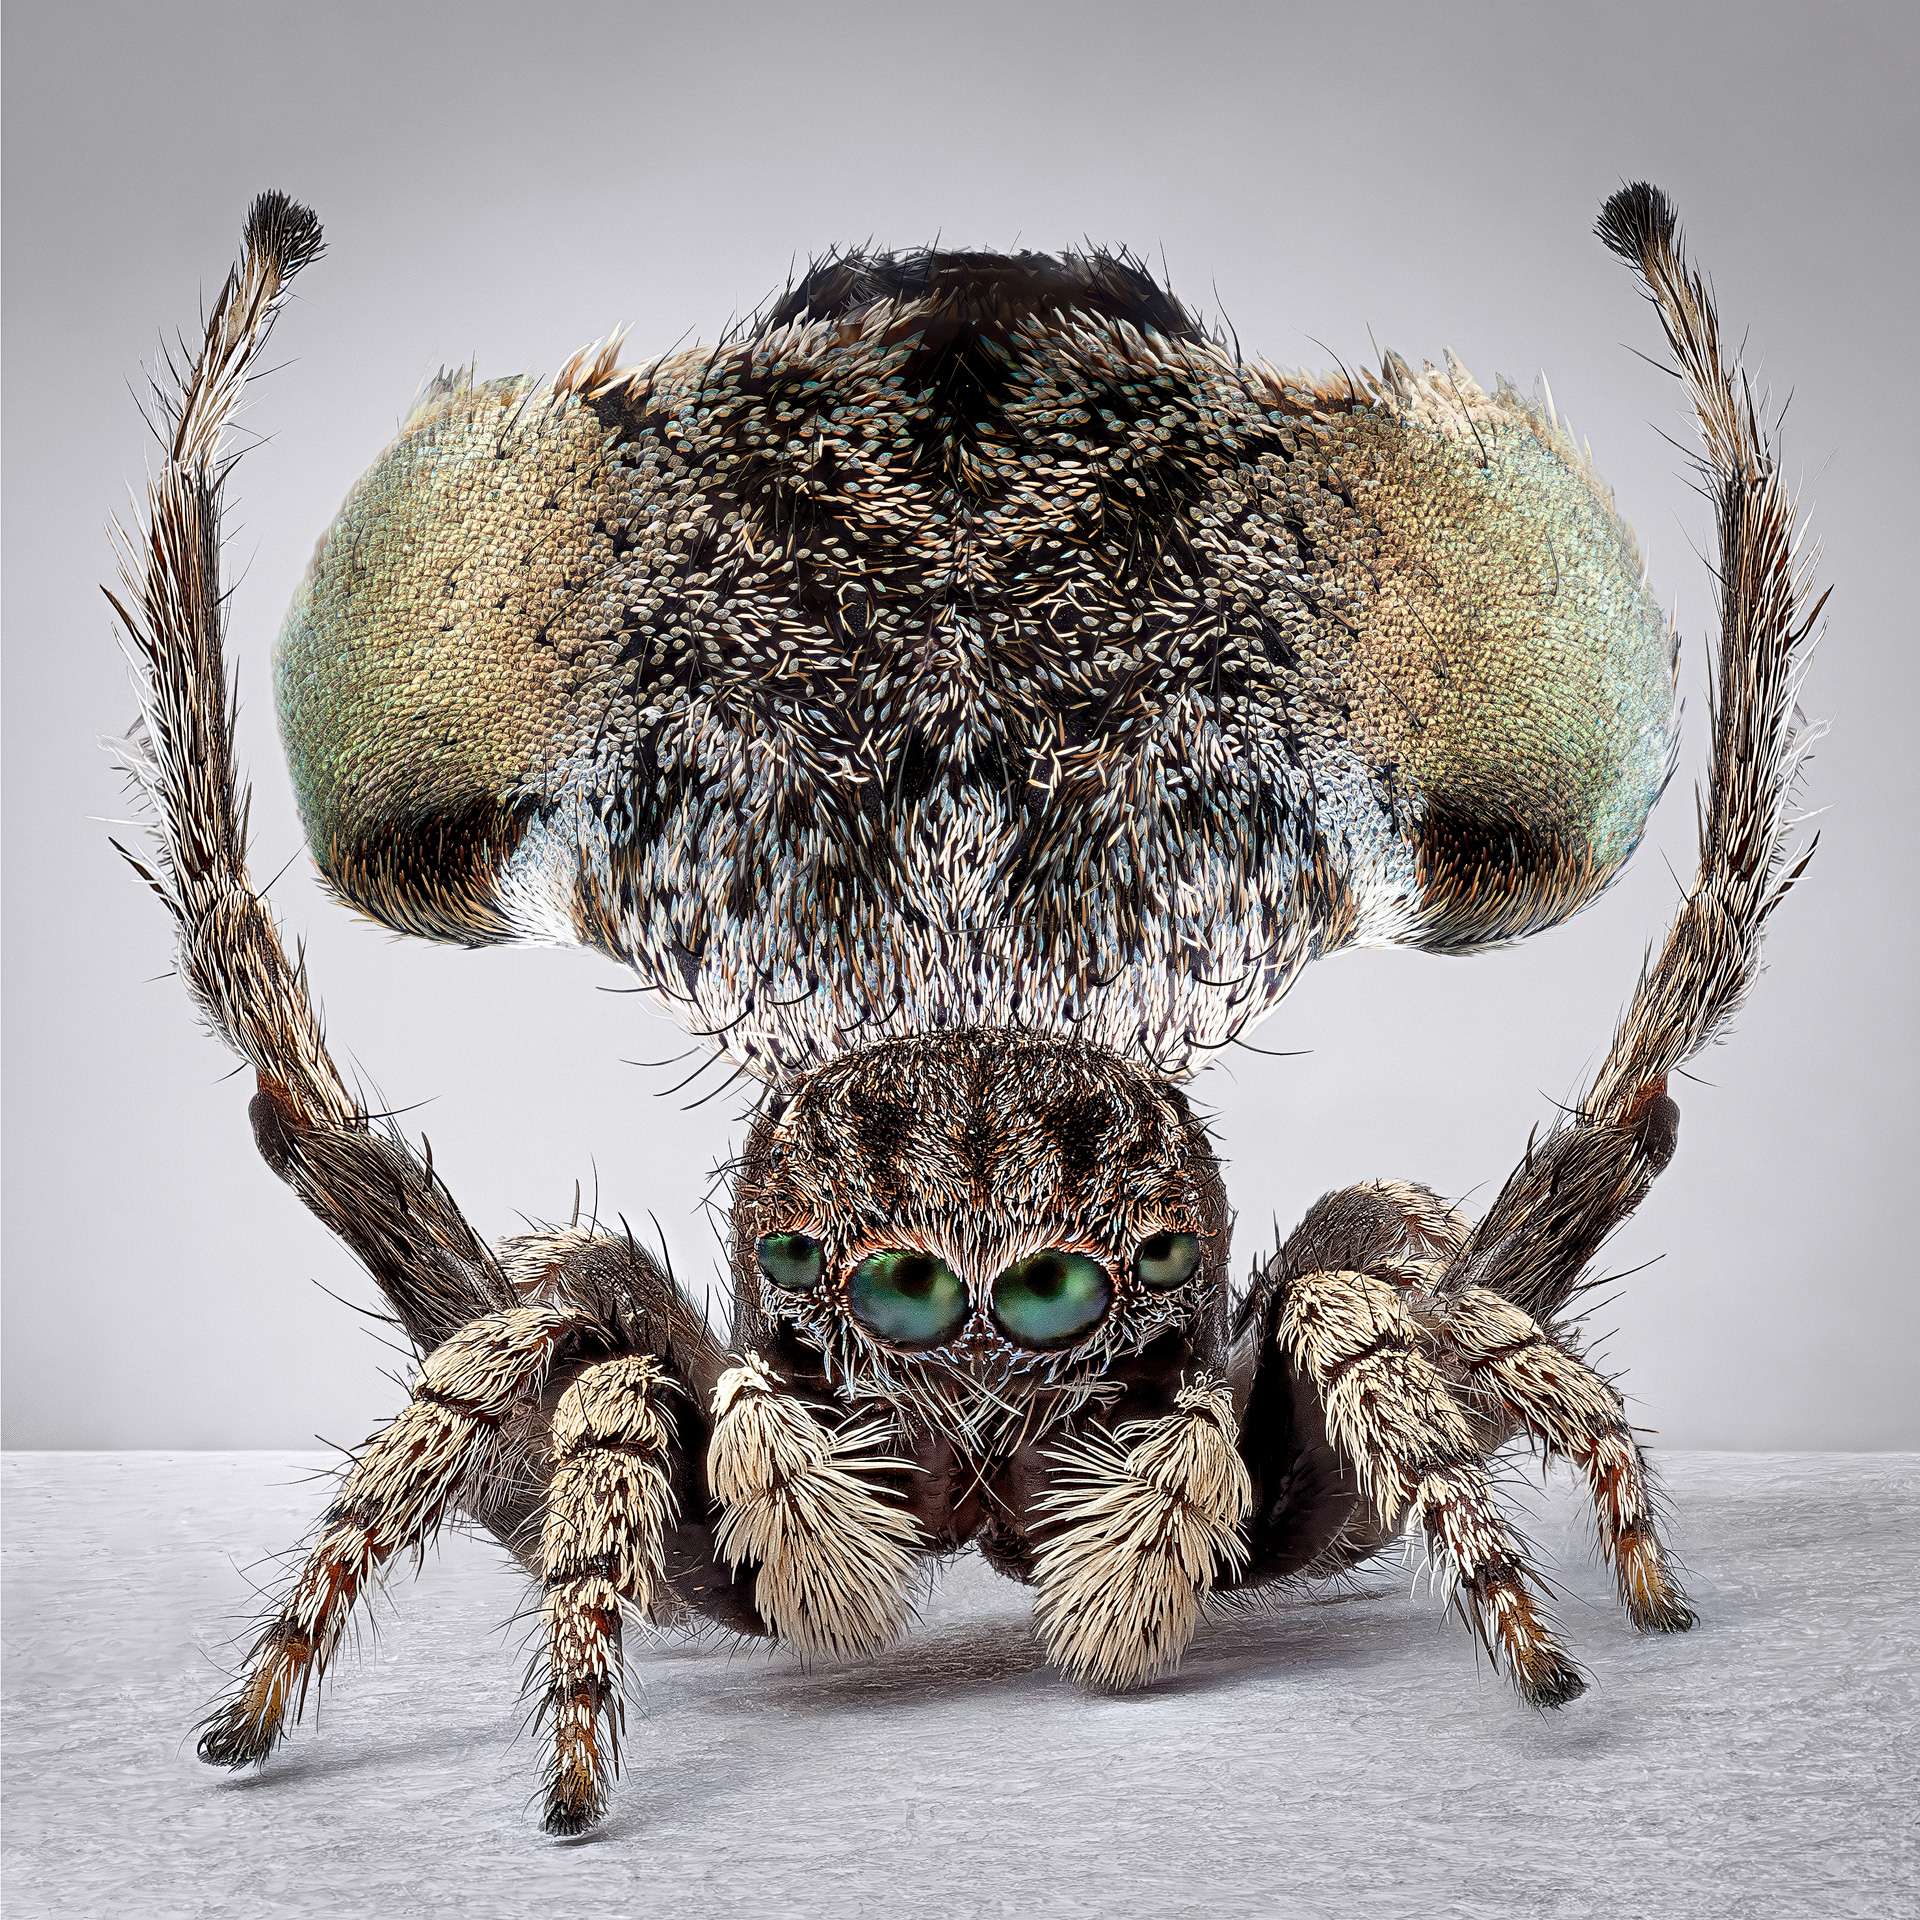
x=1554, y=1685
x=586, y=1758
x=1674, y=1618
x=234, y=1740
x=248, y=1727
x=1502, y=1606
x=1651, y=1595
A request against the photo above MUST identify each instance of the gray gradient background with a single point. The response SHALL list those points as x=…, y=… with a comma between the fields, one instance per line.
x=507, y=183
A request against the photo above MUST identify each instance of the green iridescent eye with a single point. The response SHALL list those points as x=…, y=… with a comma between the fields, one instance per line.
x=909, y=1299
x=792, y=1261
x=1166, y=1260
x=1050, y=1299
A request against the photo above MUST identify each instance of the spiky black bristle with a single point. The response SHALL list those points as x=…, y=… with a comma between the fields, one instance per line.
x=1636, y=221
x=985, y=287
x=280, y=227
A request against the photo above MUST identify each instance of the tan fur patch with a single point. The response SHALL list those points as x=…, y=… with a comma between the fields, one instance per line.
x=1439, y=1228
x=609, y=1506
x=834, y=1556
x=1152, y=1512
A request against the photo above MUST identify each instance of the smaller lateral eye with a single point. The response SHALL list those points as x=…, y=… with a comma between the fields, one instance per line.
x=1166, y=1260
x=792, y=1261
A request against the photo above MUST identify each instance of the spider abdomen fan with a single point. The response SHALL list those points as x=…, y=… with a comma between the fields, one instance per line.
x=975, y=643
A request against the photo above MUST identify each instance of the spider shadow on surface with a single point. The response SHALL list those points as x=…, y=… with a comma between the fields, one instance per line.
x=941, y=1661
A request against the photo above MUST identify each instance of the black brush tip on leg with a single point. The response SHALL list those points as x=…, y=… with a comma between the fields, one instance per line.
x=1638, y=221
x=234, y=1739
x=1669, y=1616
x=280, y=227
x=567, y=1820
x=1555, y=1687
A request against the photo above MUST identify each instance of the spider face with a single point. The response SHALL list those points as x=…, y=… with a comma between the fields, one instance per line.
x=986, y=1203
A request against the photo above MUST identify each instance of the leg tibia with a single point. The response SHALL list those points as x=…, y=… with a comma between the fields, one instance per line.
x=1630, y=1536
x=1567, y=1406
x=394, y=1496
x=834, y=1558
x=1469, y=1538
x=1389, y=1412
x=1151, y=1514
x=609, y=1507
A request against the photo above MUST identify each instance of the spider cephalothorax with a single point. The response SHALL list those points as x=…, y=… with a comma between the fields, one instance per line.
x=967, y=698
x=961, y=1220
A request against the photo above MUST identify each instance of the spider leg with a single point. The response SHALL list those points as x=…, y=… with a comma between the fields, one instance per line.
x=1539, y=1386
x=1591, y=1172
x=365, y=1185
x=833, y=1557
x=1413, y=1450
x=1511, y=1367
x=1151, y=1515
x=610, y=1507
x=399, y=1490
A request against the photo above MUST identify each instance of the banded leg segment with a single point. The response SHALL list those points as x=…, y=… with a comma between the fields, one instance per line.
x=1152, y=1514
x=395, y=1496
x=363, y=1183
x=833, y=1557
x=1541, y=1387
x=1389, y=1412
x=1574, y=1186
x=609, y=1508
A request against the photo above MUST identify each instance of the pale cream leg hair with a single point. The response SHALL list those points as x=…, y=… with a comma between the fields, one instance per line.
x=609, y=1507
x=1153, y=1513
x=1537, y=1385
x=1412, y=1448
x=834, y=1556
x=439, y=1450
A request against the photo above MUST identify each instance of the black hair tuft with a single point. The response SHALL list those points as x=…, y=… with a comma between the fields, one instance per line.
x=284, y=230
x=1638, y=221
x=984, y=288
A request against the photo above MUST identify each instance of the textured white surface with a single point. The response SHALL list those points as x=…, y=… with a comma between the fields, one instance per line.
x=1348, y=1756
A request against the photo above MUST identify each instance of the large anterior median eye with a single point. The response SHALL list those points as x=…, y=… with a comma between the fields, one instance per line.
x=1050, y=1299
x=909, y=1299
x=1166, y=1260
x=793, y=1261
